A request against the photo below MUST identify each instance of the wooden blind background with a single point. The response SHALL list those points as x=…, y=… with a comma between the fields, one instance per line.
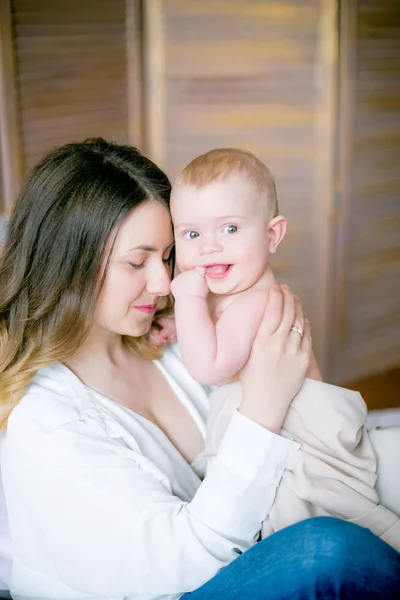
x=371, y=319
x=257, y=75
x=71, y=72
x=247, y=74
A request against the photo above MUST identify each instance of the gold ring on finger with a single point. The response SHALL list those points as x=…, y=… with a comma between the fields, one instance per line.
x=297, y=329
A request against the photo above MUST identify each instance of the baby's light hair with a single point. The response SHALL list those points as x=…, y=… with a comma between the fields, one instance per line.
x=221, y=163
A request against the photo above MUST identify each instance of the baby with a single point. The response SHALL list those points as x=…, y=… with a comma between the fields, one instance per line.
x=227, y=224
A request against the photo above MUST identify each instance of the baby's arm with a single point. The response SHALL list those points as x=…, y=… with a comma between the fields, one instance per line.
x=214, y=353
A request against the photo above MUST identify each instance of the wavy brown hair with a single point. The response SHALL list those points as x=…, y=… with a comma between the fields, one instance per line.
x=57, y=251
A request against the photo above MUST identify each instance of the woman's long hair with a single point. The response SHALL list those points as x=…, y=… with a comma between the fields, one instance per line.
x=56, y=254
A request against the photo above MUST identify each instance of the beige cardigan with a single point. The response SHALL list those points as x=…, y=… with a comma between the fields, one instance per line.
x=333, y=473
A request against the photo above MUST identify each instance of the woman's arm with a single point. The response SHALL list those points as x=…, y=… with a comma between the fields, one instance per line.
x=213, y=353
x=90, y=513
x=278, y=361
x=95, y=516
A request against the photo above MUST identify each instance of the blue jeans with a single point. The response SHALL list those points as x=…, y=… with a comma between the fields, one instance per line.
x=321, y=558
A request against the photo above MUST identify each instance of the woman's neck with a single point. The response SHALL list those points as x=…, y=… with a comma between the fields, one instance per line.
x=101, y=350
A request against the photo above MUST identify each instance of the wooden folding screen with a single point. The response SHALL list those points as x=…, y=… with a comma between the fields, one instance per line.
x=259, y=75
x=367, y=336
x=312, y=87
x=71, y=72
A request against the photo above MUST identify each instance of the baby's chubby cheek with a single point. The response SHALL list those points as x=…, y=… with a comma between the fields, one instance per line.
x=180, y=267
x=185, y=260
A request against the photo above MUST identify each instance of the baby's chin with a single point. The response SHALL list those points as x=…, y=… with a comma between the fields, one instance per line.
x=237, y=285
x=226, y=288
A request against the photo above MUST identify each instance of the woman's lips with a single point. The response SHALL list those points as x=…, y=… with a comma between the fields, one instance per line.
x=147, y=308
x=217, y=271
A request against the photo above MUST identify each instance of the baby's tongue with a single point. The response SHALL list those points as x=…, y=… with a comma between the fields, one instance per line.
x=216, y=270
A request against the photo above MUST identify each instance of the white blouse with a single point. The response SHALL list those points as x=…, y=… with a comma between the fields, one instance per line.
x=101, y=505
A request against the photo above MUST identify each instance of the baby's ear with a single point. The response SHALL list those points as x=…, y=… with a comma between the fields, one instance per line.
x=276, y=231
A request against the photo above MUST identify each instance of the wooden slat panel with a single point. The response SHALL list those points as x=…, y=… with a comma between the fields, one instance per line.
x=372, y=284
x=247, y=74
x=11, y=170
x=72, y=72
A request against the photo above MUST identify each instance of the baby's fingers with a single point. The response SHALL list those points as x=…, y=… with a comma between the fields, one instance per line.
x=201, y=271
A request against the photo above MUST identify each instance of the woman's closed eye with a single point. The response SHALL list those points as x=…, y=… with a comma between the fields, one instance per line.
x=167, y=261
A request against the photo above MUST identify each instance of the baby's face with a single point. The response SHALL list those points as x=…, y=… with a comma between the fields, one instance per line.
x=224, y=228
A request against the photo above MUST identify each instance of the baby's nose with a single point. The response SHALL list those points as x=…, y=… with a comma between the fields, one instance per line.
x=209, y=246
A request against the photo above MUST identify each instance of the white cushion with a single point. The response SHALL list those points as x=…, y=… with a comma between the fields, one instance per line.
x=386, y=443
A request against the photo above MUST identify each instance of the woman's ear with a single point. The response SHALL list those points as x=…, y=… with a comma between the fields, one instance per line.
x=276, y=231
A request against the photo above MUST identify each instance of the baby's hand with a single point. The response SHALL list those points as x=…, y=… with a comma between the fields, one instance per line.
x=163, y=332
x=190, y=283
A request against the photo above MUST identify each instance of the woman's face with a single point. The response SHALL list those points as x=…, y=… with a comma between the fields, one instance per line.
x=138, y=271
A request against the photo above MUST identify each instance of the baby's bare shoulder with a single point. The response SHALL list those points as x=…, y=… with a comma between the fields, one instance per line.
x=253, y=295
x=254, y=300
x=250, y=300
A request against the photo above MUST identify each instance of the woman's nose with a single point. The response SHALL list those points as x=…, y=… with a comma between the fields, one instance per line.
x=160, y=282
x=210, y=245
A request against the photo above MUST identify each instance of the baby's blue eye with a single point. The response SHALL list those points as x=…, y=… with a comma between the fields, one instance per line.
x=191, y=235
x=230, y=229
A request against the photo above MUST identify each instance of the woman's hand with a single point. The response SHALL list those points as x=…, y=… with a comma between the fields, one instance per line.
x=278, y=361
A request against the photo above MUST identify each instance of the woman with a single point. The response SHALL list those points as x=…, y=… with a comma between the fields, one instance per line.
x=101, y=456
